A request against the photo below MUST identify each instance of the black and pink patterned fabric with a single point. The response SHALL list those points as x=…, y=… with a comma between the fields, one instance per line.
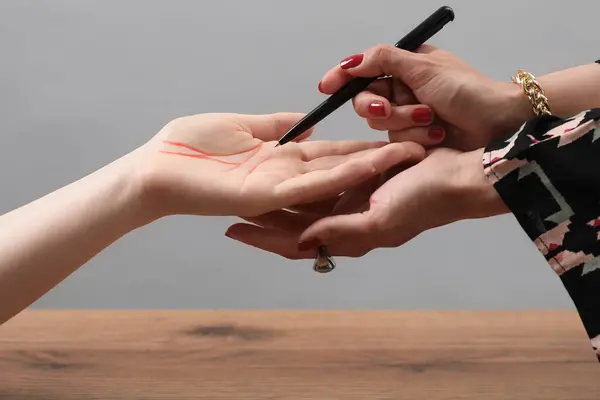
x=548, y=174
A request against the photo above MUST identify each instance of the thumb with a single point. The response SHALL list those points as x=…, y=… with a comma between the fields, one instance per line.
x=413, y=69
x=330, y=229
x=268, y=127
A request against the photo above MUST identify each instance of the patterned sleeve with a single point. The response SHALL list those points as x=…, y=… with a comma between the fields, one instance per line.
x=548, y=174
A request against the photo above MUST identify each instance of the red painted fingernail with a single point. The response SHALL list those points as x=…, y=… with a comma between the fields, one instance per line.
x=352, y=61
x=436, y=133
x=321, y=87
x=309, y=244
x=377, y=108
x=422, y=115
x=228, y=235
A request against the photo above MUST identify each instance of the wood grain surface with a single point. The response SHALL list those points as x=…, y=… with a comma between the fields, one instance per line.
x=296, y=355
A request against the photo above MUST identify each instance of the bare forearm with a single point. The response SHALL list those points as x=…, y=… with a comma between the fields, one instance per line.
x=45, y=241
x=573, y=90
x=569, y=92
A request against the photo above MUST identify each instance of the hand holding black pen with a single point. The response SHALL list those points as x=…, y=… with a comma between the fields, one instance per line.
x=412, y=41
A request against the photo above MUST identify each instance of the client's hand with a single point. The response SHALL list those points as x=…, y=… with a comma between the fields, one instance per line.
x=445, y=187
x=227, y=164
x=215, y=164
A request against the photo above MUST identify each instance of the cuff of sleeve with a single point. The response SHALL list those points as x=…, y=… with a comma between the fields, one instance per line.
x=548, y=175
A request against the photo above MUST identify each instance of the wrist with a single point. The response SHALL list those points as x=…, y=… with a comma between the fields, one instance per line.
x=514, y=109
x=138, y=200
x=473, y=190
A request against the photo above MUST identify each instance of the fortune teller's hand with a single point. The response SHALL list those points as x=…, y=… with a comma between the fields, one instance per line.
x=447, y=186
x=227, y=164
x=432, y=97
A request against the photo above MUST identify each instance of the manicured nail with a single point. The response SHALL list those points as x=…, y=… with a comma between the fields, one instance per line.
x=228, y=235
x=321, y=87
x=377, y=108
x=309, y=245
x=436, y=134
x=422, y=115
x=352, y=61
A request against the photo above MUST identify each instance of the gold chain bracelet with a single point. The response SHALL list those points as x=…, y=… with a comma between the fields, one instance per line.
x=533, y=91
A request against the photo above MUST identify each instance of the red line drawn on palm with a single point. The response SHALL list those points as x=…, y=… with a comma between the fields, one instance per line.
x=200, y=154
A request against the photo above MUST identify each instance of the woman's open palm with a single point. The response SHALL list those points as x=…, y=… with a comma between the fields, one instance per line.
x=228, y=164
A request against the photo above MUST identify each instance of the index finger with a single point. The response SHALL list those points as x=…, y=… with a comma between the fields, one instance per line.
x=337, y=77
x=378, y=61
x=321, y=184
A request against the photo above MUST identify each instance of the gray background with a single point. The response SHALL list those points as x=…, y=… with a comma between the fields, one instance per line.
x=83, y=82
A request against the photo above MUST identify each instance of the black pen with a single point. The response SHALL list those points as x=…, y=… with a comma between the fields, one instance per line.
x=411, y=42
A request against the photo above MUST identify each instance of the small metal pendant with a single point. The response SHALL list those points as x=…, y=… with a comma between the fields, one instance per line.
x=323, y=262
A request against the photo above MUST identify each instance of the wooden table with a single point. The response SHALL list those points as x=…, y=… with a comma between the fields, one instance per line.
x=296, y=355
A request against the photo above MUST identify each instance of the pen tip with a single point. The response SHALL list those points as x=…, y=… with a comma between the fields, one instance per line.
x=278, y=144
